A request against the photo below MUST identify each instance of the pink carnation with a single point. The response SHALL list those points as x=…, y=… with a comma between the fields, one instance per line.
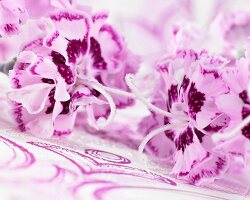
x=191, y=94
x=67, y=69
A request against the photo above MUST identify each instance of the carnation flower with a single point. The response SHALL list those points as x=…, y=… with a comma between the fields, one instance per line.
x=188, y=113
x=68, y=68
x=236, y=104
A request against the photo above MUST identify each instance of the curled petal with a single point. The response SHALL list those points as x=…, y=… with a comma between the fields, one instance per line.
x=102, y=122
x=32, y=97
x=82, y=96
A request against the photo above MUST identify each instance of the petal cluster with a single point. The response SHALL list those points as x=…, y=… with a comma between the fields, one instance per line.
x=68, y=67
x=64, y=68
x=205, y=129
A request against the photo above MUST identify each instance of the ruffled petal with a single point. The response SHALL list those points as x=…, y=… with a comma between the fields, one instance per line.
x=39, y=65
x=21, y=78
x=211, y=168
x=38, y=9
x=71, y=25
x=237, y=77
x=189, y=151
x=218, y=124
x=82, y=96
x=32, y=97
x=98, y=20
x=230, y=104
x=64, y=124
x=67, y=34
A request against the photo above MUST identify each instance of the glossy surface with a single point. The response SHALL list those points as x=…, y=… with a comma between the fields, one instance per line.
x=87, y=167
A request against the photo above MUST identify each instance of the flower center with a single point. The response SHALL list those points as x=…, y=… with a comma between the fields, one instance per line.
x=180, y=111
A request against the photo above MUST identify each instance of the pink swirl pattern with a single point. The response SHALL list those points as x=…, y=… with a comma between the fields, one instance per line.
x=32, y=168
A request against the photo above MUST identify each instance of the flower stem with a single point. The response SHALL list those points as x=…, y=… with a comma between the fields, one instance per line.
x=130, y=81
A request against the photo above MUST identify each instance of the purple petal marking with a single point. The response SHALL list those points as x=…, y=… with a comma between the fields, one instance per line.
x=78, y=95
x=52, y=101
x=184, y=139
x=17, y=112
x=185, y=83
x=213, y=72
x=95, y=50
x=218, y=124
x=67, y=16
x=72, y=17
x=17, y=73
x=95, y=92
x=62, y=133
x=50, y=40
x=199, y=134
x=212, y=171
x=191, y=54
x=195, y=100
x=243, y=95
x=33, y=44
x=64, y=70
x=246, y=129
x=172, y=94
x=33, y=67
x=113, y=34
x=10, y=29
x=169, y=134
x=47, y=80
x=65, y=104
x=15, y=79
x=99, y=16
x=75, y=49
x=66, y=108
x=122, y=105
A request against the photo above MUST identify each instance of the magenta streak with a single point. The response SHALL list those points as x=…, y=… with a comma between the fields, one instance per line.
x=29, y=157
x=35, y=65
x=113, y=34
x=60, y=172
x=137, y=172
x=94, y=153
x=99, y=193
x=93, y=161
x=78, y=186
x=13, y=157
x=99, y=16
x=52, y=38
x=142, y=174
x=37, y=42
x=82, y=170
